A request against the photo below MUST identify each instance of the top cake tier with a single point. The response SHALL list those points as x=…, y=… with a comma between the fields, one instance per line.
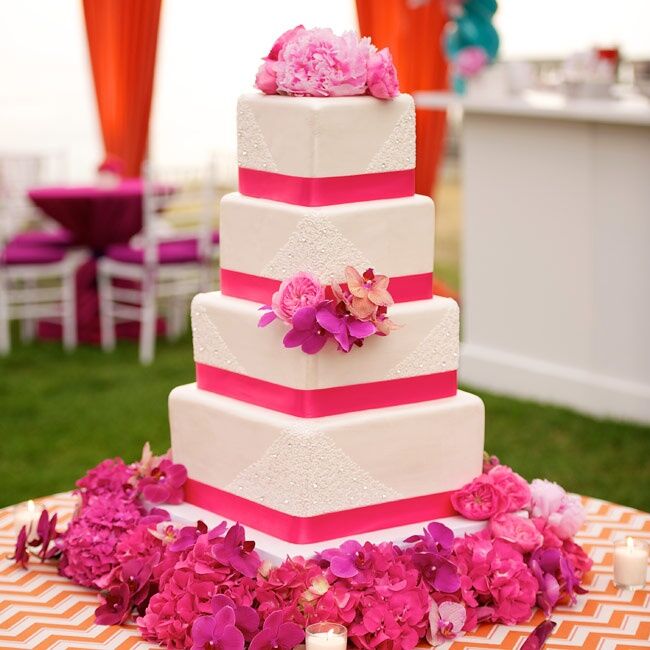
x=325, y=150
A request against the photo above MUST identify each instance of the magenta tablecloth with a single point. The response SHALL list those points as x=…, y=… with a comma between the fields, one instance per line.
x=96, y=216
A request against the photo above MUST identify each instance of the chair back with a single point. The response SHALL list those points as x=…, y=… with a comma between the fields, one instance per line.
x=189, y=211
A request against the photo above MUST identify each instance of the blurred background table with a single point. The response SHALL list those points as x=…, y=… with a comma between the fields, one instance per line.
x=41, y=610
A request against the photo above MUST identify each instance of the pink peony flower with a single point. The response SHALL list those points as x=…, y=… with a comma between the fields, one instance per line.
x=517, y=530
x=470, y=61
x=446, y=622
x=382, y=76
x=479, y=500
x=563, y=513
x=300, y=290
x=318, y=63
x=514, y=487
x=281, y=41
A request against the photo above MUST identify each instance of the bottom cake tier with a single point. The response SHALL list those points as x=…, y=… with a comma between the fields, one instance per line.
x=307, y=480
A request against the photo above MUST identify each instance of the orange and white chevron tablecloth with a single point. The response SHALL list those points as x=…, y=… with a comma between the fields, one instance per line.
x=40, y=609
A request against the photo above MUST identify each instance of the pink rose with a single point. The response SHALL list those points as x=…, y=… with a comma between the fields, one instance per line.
x=563, y=512
x=382, y=76
x=471, y=60
x=520, y=531
x=318, y=63
x=514, y=487
x=479, y=500
x=266, y=79
x=300, y=290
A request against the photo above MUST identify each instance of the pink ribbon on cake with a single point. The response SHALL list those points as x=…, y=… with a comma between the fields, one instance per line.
x=326, y=190
x=403, y=288
x=320, y=402
x=306, y=530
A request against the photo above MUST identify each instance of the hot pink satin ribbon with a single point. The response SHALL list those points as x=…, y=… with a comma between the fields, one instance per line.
x=404, y=288
x=321, y=402
x=306, y=530
x=329, y=190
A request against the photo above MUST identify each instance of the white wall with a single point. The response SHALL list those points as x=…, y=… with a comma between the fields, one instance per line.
x=209, y=52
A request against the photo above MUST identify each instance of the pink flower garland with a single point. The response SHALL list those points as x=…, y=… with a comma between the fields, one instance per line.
x=319, y=63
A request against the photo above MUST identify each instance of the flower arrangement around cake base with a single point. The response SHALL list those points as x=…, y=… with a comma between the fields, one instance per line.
x=194, y=587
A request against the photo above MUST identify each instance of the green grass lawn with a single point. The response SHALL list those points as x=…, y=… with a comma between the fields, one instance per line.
x=61, y=414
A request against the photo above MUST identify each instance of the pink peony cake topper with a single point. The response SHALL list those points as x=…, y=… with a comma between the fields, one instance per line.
x=318, y=63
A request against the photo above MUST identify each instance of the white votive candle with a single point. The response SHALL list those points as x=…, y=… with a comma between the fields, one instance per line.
x=630, y=563
x=326, y=636
x=27, y=514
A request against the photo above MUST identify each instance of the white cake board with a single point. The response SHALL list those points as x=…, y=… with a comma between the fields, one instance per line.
x=276, y=550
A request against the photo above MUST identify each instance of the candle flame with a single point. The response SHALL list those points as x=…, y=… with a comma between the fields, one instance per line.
x=31, y=506
x=630, y=542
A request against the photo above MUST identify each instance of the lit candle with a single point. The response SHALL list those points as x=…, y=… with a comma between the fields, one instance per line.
x=630, y=563
x=326, y=636
x=27, y=514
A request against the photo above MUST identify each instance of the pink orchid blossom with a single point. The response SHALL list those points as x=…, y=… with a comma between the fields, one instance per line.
x=369, y=291
x=165, y=483
x=306, y=331
x=277, y=634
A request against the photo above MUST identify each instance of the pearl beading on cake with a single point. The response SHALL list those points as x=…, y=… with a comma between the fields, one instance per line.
x=252, y=150
x=209, y=346
x=295, y=475
x=317, y=246
x=398, y=151
x=434, y=352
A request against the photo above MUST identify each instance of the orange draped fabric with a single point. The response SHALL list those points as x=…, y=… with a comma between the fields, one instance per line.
x=413, y=32
x=122, y=40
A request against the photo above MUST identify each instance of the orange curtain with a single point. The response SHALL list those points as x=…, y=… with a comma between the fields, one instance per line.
x=122, y=40
x=414, y=36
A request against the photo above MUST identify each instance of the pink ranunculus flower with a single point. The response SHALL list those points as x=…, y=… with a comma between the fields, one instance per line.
x=479, y=500
x=518, y=530
x=471, y=60
x=300, y=290
x=563, y=512
x=514, y=487
x=318, y=63
x=382, y=76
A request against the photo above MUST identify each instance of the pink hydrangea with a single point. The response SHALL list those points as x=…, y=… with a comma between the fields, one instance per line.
x=563, y=512
x=300, y=290
x=111, y=477
x=517, y=530
x=496, y=583
x=382, y=76
x=480, y=499
x=514, y=487
x=90, y=542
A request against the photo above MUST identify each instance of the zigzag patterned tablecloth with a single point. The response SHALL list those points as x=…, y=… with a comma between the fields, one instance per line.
x=41, y=610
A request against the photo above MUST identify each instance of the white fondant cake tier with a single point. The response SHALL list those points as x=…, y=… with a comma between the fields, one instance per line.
x=226, y=335
x=325, y=136
x=310, y=467
x=275, y=240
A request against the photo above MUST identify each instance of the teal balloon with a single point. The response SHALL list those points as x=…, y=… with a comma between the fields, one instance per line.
x=486, y=8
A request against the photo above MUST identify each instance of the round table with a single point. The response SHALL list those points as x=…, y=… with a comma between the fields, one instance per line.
x=97, y=217
x=41, y=610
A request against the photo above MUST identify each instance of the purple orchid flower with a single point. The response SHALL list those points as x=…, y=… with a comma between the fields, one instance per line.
x=538, y=636
x=348, y=560
x=136, y=575
x=21, y=554
x=154, y=517
x=267, y=317
x=116, y=606
x=217, y=631
x=46, y=532
x=306, y=333
x=247, y=619
x=165, y=483
x=187, y=536
x=345, y=329
x=554, y=573
x=435, y=538
x=237, y=552
x=277, y=635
